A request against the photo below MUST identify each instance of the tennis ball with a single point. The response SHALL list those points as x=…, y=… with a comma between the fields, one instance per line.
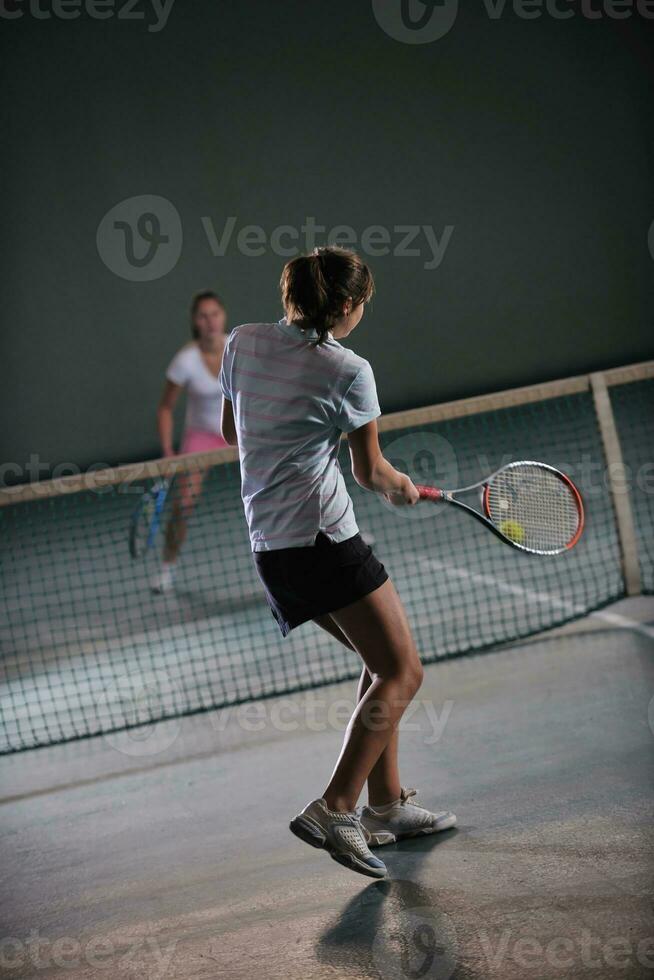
x=513, y=530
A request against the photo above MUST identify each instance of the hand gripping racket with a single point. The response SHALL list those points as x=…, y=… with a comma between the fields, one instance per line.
x=531, y=506
x=146, y=518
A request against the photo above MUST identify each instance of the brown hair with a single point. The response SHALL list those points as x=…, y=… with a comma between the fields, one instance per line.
x=316, y=287
x=195, y=303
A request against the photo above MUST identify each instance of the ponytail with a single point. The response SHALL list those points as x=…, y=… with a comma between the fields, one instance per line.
x=316, y=287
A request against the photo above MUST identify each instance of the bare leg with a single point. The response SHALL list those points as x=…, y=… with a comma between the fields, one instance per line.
x=377, y=628
x=384, y=779
x=188, y=489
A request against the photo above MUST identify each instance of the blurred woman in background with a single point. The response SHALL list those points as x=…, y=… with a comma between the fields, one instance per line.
x=195, y=369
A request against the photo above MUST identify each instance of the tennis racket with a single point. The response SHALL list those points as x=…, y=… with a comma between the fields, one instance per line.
x=146, y=518
x=531, y=506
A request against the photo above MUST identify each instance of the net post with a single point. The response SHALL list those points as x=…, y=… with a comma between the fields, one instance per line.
x=617, y=484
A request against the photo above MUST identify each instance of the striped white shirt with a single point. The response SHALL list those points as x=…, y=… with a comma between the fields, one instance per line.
x=292, y=399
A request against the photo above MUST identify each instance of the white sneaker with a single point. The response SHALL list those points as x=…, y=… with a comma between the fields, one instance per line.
x=164, y=580
x=339, y=834
x=402, y=818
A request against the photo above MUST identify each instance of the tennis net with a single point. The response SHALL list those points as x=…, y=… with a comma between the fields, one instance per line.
x=87, y=648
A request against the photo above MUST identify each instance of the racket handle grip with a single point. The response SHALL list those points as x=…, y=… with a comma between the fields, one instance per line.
x=429, y=493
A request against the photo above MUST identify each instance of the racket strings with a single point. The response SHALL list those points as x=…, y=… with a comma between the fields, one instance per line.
x=534, y=507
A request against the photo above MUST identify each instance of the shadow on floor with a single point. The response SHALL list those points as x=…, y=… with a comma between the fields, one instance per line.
x=397, y=928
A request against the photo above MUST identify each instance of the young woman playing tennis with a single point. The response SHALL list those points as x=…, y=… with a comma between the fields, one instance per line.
x=290, y=390
x=195, y=369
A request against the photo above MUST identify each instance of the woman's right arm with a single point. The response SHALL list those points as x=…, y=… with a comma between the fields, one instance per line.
x=373, y=472
x=165, y=410
x=227, y=424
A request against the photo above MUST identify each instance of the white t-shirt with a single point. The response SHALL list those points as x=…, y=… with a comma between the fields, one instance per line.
x=204, y=400
x=292, y=399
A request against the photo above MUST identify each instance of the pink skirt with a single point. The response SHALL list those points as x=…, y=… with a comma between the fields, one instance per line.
x=198, y=441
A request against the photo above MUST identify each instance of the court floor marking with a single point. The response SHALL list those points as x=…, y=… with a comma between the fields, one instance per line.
x=543, y=598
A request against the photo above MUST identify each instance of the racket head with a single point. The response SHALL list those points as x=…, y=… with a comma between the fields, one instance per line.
x=534, y=507
x=145, y=519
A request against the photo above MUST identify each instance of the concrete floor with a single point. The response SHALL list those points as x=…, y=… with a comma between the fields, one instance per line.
x=164, y=853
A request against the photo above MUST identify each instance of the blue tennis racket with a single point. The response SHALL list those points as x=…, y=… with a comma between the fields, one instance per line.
x=146, y=519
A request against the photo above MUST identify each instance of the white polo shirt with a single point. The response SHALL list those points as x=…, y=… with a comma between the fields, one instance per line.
x=292, y=399
x=204, y=399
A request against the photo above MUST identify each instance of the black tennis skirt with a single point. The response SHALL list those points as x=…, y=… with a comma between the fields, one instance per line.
x=302, y=583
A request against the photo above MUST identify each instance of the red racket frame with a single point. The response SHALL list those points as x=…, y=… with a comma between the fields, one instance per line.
x=436, y=494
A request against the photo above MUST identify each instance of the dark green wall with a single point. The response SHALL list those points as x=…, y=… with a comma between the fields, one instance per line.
x=533, y=138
